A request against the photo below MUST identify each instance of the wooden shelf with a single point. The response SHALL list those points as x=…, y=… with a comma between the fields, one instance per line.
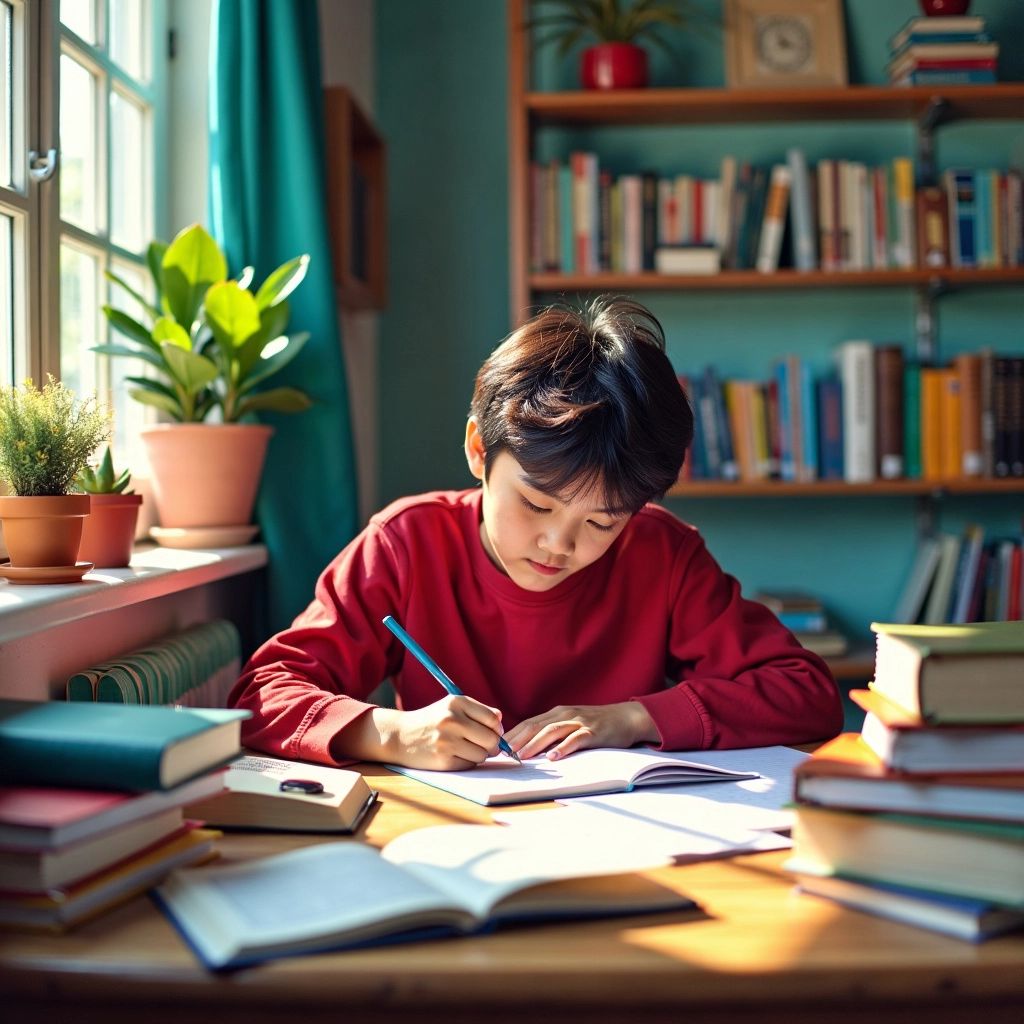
x=731, y=106
x=839, y=488
x=746, y=280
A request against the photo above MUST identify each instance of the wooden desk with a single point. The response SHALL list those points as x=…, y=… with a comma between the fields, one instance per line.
x=755, y=953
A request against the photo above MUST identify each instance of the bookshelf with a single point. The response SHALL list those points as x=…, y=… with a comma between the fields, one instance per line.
x=928, y=107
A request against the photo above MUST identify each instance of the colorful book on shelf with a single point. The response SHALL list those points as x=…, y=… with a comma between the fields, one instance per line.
x=113, y=746
x=444, y=881
x=889, y=459
x=910, y=605
x=63, y=907
x=960, y=917
x=44, y=818
x=846, y=773
x=39, y=870
x=980, y=859
x=687, y=259
x=252, y=797
x=932, y=215
x=939, y=28
x=952, y=673
x=802, y=212
x=903, y=742
x=856, y=365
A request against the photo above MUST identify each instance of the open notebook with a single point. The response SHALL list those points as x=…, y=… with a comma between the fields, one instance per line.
x=441, y=881
x=499, y=780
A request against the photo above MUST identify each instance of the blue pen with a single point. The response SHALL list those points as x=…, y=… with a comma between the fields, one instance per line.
x=436, y=671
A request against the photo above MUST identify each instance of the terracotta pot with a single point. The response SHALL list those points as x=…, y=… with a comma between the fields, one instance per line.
x=109, y=531
x=614, y=66
x=43, y=531
x=944, y=7
x=206, y=474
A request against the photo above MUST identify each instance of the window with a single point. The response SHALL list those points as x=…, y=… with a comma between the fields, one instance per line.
x=87, y=79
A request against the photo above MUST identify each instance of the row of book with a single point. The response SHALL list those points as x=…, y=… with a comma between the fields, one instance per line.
x=919, y=818
x=805, y=616
x=943, y=50
x=877, y=416
x=837, y=215
x=101, y=801
x=964, y=578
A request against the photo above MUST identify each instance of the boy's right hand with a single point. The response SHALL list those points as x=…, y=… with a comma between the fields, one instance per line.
x=449, y=735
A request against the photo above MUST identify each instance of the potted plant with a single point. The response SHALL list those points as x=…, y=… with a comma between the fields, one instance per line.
x=109, y=530
x=46, y=438
x=616, y=60
x=210, y=343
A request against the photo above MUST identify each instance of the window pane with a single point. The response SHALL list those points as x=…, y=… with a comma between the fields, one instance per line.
x=79, y=324
x=6, y=301
x=80, y=17
x=128, y=34
x=129, y=223
x=6, y=92
x=129, y=416
x=78, y=144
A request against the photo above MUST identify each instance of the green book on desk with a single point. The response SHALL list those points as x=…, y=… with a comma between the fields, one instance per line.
x=113, y=746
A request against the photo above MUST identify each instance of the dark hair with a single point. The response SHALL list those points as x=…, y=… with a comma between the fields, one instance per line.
x=584, y=398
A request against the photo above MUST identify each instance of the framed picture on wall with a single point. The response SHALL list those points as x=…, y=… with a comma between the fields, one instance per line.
x=356, y=170
x=784, y=43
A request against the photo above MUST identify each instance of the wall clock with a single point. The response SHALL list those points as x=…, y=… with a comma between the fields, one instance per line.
x=783, y=43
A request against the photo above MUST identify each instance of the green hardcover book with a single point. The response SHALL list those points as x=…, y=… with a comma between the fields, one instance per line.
x=112, y=746
x=956, y=674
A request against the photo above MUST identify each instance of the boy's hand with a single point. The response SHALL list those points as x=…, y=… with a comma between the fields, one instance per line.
x=563, y=730
x=451, y=734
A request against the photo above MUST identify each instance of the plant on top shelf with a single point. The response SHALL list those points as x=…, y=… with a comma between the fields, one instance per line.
x=46, y=438
x=617, y=59
x=210, y=343
x=210, y=340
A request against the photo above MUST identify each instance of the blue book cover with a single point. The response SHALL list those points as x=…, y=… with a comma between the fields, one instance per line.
x=698, y=448
x=932, y=76
x=787, y=461
x=805, y=233
x=729, y=468
x=124, y=747
x=808, y=421
x=830, y=428
x=566, y=237
x=984, y=199
x=963, y=220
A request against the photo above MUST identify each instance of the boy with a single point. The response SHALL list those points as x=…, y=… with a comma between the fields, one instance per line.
x=570, y=611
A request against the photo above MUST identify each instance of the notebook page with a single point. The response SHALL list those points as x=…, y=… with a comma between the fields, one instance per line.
x=500, y=780
x=478, y=865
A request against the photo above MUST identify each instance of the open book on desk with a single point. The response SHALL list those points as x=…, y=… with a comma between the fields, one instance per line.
x=433, y=882
x=499, y=780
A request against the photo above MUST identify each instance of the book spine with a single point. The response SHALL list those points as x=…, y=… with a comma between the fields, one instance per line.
x=774, y=223
x=567, y=249
x=880, y=206
x=857, y=373
x=805, y=247
x=949, y=423
x=962, y=217
x=830, y=428
x=604, y=220
x=931, y=424
x=935, y=77
x=904, y=250
x=726, y=188
x=826, y=234
x=889, y=411
x=716, y=391
x=649, y=221
x=1001, y=383
x=1017, y=416
x=986, y=242
x=808, y=423
x=988, y=433
x=787, y=464
x=932, y=227
x=551, y=242
x=968, y=368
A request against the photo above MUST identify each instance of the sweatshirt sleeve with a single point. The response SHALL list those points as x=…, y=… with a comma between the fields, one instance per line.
x=308, y=682
x=742, y=679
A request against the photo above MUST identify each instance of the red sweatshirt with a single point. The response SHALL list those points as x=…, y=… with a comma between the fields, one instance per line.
x=655, y=619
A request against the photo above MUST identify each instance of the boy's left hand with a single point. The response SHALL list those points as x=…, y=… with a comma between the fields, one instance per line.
x=566, y=729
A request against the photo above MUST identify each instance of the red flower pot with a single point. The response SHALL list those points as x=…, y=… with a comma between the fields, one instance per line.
x=614, y=66
x=944, y=7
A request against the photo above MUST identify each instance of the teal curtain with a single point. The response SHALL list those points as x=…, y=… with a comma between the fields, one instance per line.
x=267, y=204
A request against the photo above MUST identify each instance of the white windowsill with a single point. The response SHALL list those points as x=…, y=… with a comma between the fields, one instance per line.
x=154, y=572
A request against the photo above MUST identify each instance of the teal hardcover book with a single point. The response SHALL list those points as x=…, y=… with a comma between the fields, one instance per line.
x=113, y=746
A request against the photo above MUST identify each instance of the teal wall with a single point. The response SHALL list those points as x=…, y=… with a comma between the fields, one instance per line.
x=441, y=89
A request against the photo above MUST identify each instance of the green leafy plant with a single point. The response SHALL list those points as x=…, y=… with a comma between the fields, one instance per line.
x=103, y=479
x=614, y=21
x=209, y=340
x=47, y=436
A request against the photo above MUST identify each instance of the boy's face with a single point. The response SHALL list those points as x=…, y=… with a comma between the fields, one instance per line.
x=536, y=539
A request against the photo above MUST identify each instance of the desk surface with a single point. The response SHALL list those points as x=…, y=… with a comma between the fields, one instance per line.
x=754, y=948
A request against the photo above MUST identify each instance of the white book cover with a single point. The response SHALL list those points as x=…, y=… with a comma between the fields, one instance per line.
x=857, y=375
x=632, y=224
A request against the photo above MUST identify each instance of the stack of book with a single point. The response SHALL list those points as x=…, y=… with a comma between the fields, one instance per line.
x=920, y=817
x=92, y=799
x=954, y=50
x=804, y=615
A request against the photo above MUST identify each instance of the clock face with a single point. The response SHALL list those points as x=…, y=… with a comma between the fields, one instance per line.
x=784, y=44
